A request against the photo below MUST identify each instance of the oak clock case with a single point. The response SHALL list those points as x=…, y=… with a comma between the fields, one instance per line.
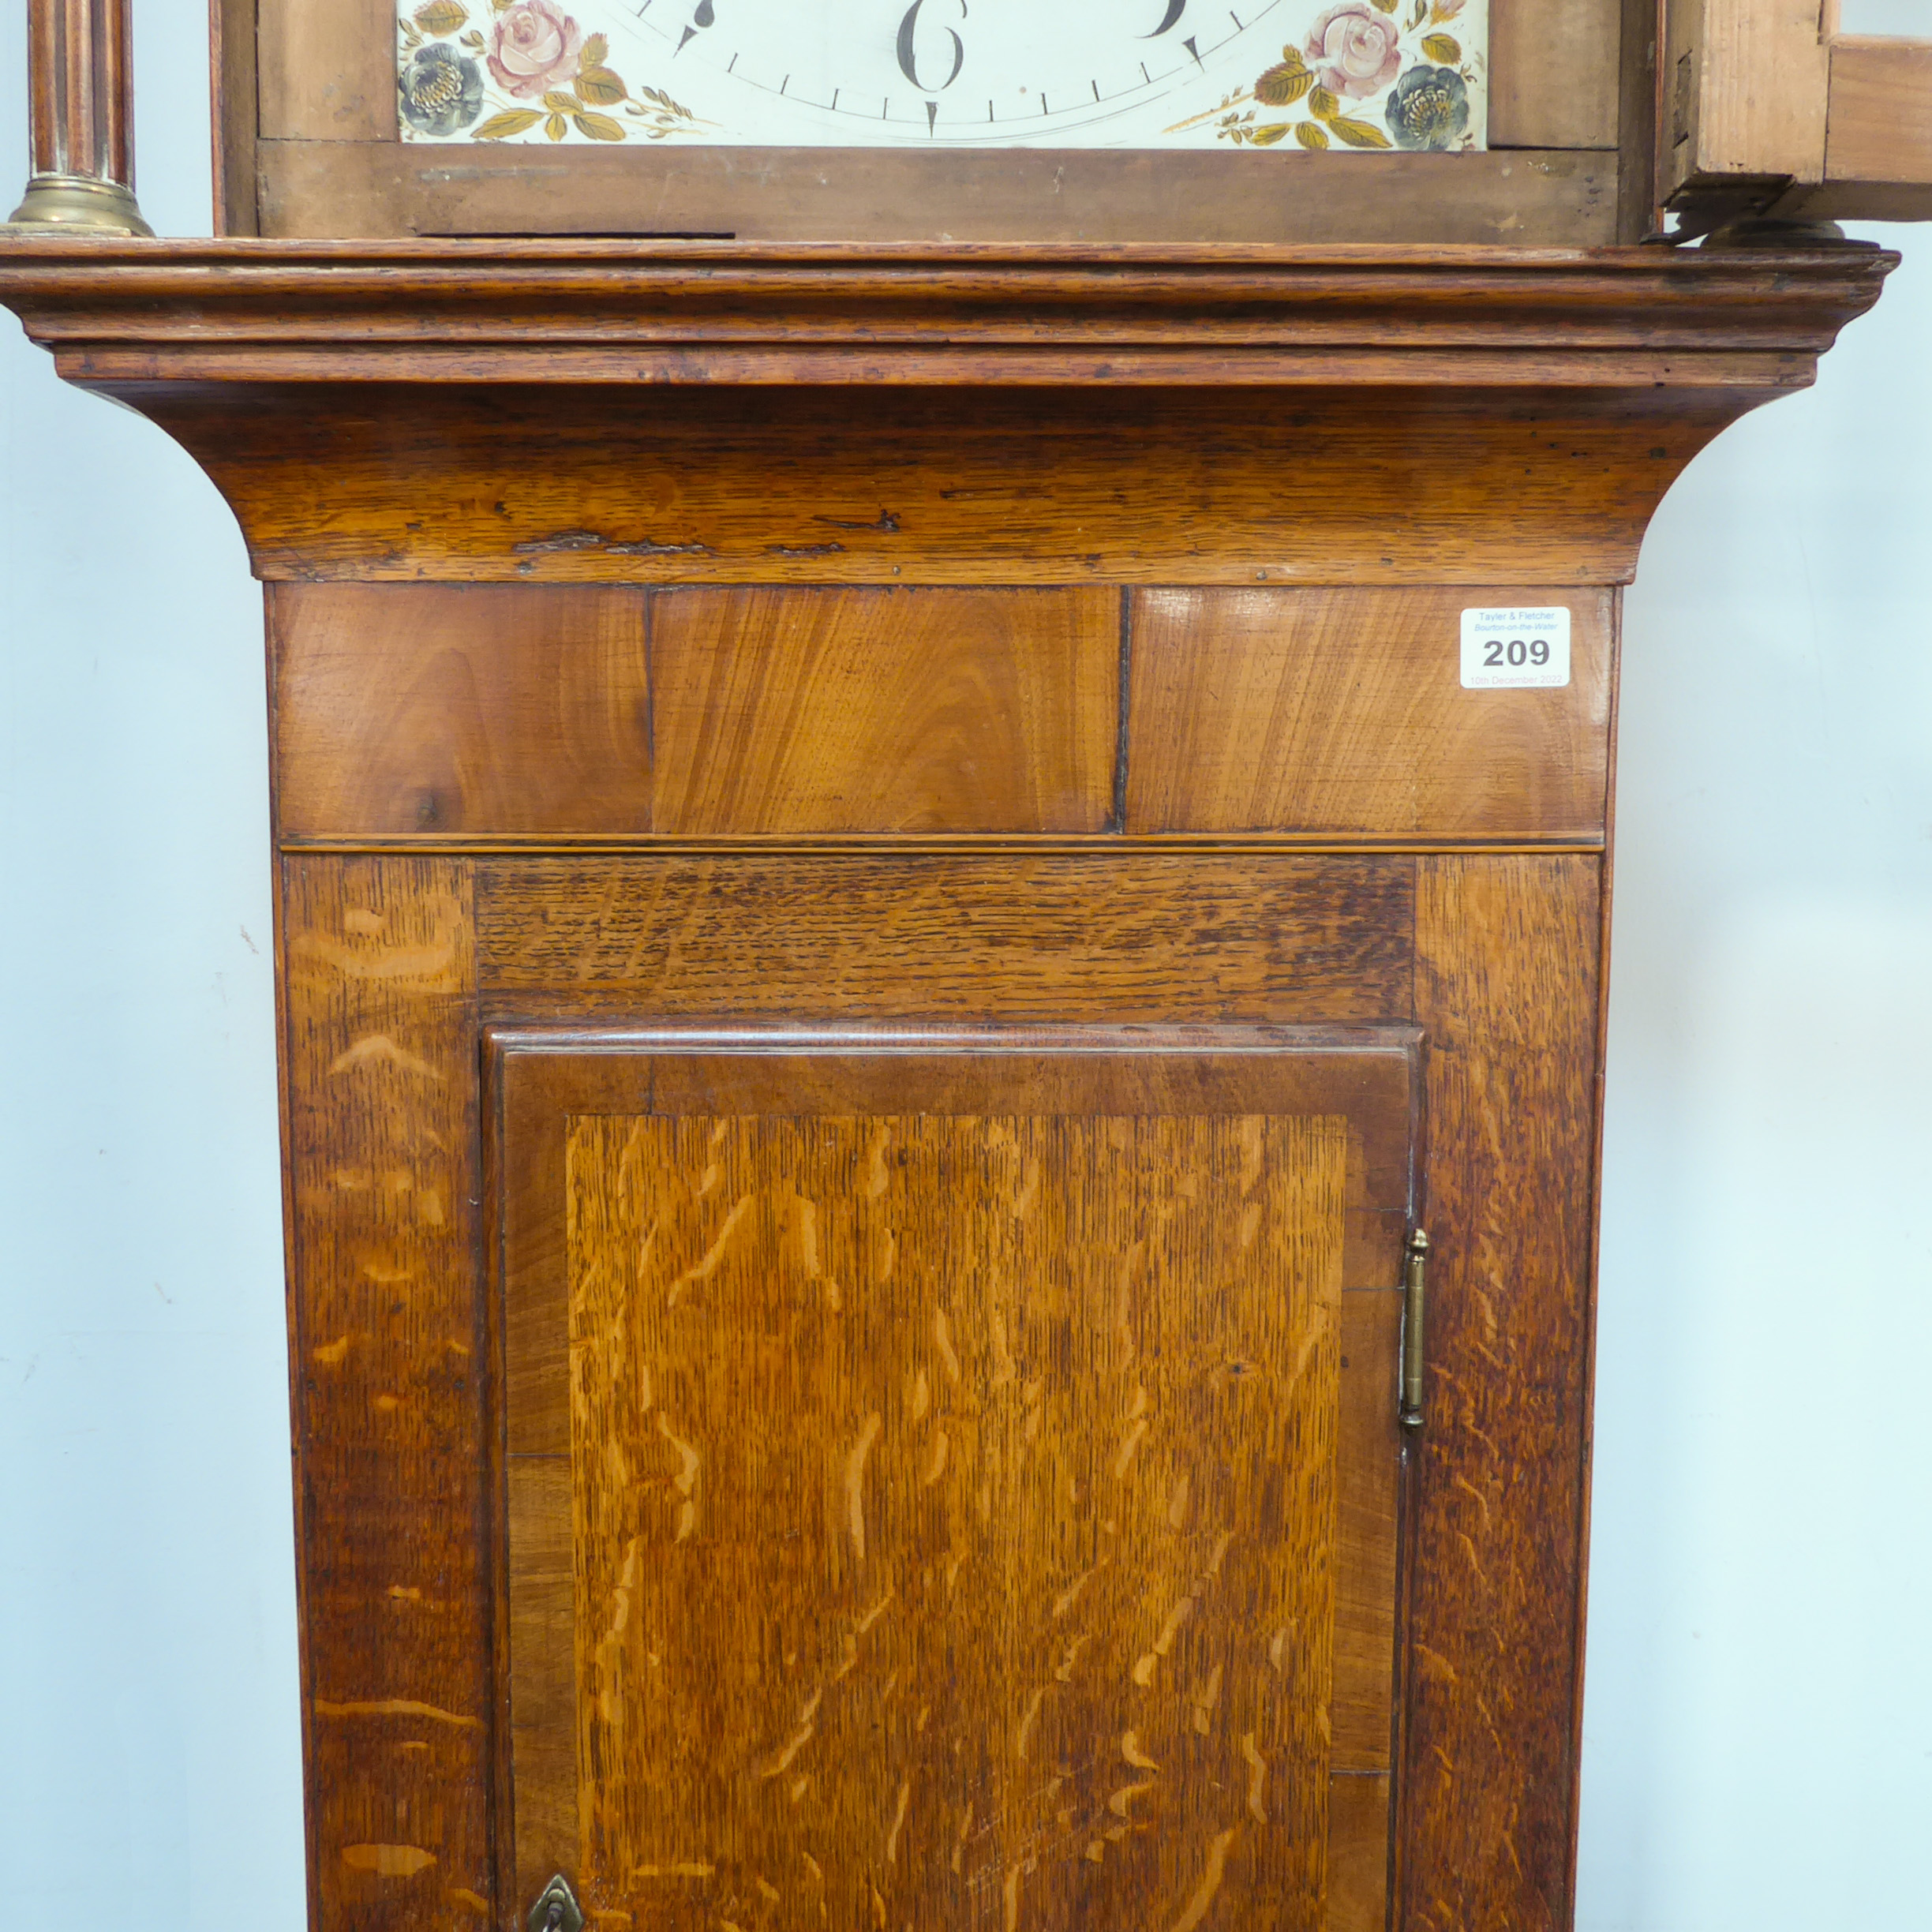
x=941, y=1043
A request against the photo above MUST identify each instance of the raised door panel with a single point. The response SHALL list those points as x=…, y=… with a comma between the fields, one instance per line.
x=949, y=1479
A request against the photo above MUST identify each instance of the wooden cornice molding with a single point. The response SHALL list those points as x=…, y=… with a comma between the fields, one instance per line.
x=713, y=413
x=547, y=312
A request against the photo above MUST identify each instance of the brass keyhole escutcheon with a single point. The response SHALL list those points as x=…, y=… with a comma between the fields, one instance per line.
x=556, y=1909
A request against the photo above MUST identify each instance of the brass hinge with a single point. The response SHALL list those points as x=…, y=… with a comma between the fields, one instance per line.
x=1412, y=1300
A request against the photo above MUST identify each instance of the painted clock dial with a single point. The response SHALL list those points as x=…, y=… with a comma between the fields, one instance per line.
x=1351, y=75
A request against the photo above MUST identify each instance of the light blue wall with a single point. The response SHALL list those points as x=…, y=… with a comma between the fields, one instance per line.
x=1759, y=1725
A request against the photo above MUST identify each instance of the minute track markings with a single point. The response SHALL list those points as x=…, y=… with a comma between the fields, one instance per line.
x=1089, y=121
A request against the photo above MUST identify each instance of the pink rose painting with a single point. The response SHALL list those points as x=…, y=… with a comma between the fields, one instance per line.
x=1354, y=50
x=534, y=46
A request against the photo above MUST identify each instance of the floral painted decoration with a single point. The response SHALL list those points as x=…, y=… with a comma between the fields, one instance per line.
x=450, y=72
x=533, y=47
x=1353, y=51
x=1358, y=51
x=1429, y=108
x=442, y=91
x=1355, y=75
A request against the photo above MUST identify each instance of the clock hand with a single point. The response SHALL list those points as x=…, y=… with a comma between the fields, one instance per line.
x=703, y=16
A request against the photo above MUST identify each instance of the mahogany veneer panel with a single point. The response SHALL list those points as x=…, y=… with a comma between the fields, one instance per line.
x=441, y=709
x=510, y=709
x=491, y=711
x=1131, y=937
x=1342, y=711
x=855, y=710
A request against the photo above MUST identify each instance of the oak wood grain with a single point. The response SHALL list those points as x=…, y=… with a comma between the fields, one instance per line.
x=1342, y=711
x=542, y=1080
x=948, y=1562
x=1507, y=962
x=823, y=711
x=1023, y=486
x=379, y=1035
x=563, y=414
x=543, y=1701
x=695, y=413
x=1368, y=1075
x=981, y=939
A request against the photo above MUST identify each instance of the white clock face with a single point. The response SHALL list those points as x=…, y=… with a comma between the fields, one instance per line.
x=1351, y=75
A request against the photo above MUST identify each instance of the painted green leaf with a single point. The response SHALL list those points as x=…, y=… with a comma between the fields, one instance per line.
x=440, y=16
x=597, y=87
x=1441, y=49
x=1322, y=105
x=1267, y=136
x=597, y=127
x=1357, y=133
x=554, y=127
x=1282, y=86
x=511, y=121
x=1309, y=135
x=596, y=49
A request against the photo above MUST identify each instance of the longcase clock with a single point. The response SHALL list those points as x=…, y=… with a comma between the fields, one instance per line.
x=942, y=688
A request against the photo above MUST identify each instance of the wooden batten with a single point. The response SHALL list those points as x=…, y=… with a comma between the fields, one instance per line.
x=1766, y=110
